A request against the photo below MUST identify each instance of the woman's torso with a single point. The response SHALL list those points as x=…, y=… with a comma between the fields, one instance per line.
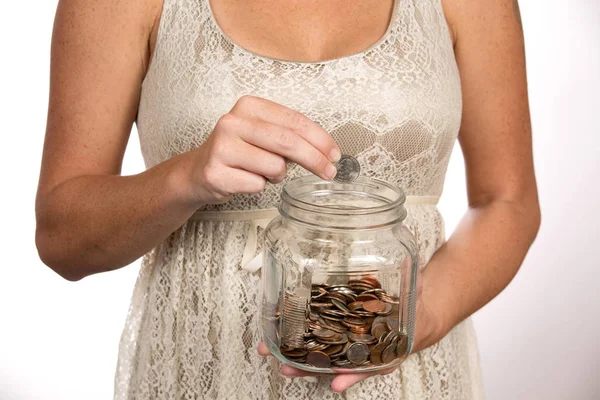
x=394, y=104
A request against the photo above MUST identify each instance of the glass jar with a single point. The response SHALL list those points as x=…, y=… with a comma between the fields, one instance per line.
x=339, y=276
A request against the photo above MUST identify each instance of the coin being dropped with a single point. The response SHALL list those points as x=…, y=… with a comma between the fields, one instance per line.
x=348, y=169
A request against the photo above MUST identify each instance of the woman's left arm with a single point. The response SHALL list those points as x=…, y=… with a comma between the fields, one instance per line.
x=486, y=250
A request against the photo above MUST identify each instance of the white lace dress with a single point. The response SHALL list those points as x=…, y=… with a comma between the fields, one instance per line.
x=193, y=324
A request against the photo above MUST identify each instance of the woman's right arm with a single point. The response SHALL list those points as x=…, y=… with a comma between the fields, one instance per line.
x=90, y=219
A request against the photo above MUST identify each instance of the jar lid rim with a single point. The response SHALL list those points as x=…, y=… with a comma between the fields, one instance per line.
x=328, y=209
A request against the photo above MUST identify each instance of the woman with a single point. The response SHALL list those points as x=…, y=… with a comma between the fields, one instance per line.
x=224, y=93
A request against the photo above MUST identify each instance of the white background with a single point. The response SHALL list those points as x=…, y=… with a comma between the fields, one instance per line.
x=538, y=339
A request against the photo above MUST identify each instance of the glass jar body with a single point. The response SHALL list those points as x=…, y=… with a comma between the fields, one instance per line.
x=339, y=277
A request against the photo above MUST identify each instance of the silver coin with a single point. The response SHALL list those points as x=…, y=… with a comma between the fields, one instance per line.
x=348, y=169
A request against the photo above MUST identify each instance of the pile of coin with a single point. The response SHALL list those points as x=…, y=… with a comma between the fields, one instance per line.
x=352, y=325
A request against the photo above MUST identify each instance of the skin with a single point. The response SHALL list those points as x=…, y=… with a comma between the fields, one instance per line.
x=91, y=220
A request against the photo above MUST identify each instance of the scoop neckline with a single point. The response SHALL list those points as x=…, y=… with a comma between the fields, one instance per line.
x=360, y=53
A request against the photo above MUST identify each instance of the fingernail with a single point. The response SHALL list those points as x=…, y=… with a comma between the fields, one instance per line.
x=330, y=171
x=335, y=155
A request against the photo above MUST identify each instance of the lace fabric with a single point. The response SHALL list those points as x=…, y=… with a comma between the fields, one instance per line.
x=193, y=323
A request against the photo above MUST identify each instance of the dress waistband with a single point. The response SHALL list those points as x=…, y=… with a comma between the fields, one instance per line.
x=262, y=217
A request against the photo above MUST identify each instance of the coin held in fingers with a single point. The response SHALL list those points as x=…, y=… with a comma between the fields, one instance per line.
x=348, y=169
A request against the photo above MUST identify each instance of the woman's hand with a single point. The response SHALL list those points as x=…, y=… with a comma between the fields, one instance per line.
x=428, y=331
x=250, y=145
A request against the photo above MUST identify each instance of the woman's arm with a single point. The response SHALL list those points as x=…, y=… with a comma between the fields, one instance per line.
x=485, y=252
x=90, y=219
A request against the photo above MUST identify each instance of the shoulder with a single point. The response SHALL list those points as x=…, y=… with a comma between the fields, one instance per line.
x=472, y=15
x=127, y=23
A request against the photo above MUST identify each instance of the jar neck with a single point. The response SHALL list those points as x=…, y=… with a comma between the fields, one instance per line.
x=363, y=204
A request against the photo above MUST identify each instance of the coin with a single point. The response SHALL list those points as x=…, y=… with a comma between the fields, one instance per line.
x=294, y=352
x=375, y=306
x=392, y=337
x=355, y=305
x=348, y=169
x=376, y=353
x=362, y=338
x=366, y=297
x=334, y=326
x=358, y=353
x=341, y=305
x=342, y=363
x=389, y=354
x=378, y=329
x=402, y=346
x=387, y=310
x=324, y=333
x=350, y=321
x=332, y=350
x=318, y=359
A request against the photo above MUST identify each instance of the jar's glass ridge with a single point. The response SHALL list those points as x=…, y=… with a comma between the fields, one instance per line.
x=339, y=269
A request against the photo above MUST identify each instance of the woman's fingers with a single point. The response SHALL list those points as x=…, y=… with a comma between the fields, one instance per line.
x=269, y=111
x=248, y=157
x=286, y=143
x=263, y=350
x=345, y=380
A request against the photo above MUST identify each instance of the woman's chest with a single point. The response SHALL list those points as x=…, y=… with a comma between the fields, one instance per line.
x=404, y=86
x=303, y=30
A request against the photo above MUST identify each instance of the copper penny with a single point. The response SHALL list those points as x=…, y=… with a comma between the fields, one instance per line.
x=294, y=352
x=359, y=329
x=366, y=297
x=349, y=321
x=372, y=281
x=389, y=354
x=376, y=353
x=324, y=333
x=318, y=359
x=402, y=346
x=334, y=326
x=341, y=339
x=374, y=306
x=364, y=314
x=331, y=350
x=320, y=305
x=352, y=282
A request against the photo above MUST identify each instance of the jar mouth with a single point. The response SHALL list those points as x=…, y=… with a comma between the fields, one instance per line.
x=365, y=197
